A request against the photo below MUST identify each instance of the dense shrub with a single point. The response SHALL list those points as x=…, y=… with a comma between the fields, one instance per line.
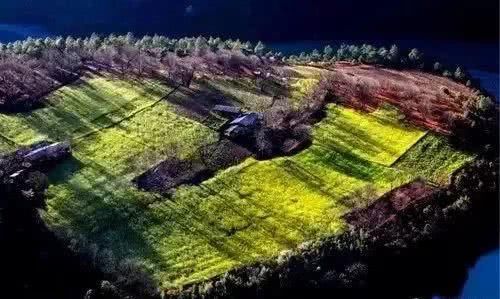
x=479, y=128
x=286, y=128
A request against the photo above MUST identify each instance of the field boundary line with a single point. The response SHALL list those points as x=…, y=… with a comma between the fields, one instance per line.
x=132, y=114
x=8, y=140
x=409, y=148
x=111, y=111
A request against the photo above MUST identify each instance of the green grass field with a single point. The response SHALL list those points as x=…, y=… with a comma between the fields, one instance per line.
x=89, y=104
x=246, y=213
x=304, y=81
x=433, y=158
x=376, y=137
x=242, y=92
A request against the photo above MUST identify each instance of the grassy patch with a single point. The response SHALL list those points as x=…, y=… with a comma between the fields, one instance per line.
x=79, y=108
x=5, y=147
x=242, y=92
x=376, y=137
x=304, y=82
x=433, y=158
x=143, y=140
x=301, y=88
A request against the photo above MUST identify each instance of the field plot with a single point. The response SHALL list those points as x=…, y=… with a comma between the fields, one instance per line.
x=303, y=82
x=87, y=105
x=376, y=137
x=6, y=146
x=248, y=212
x=256, y=209
x=433, y=158
x=92, y=193
x=245, y=213
x=242, y=92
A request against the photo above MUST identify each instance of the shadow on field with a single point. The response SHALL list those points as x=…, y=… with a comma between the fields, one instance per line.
x=342, y=160
x=95, y=215
x=72, y=111
x=361, y=140
x=65, y=170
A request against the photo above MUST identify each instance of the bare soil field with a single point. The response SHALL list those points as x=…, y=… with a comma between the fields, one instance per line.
x=386, y=208
x=426, y=100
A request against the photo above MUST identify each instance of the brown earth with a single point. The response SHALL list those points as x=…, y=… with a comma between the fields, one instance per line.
x=389, y=206
x=173, y=172
x=427, y=100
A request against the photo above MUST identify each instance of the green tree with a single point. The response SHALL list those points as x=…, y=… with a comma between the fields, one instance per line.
x=201, y=46
x=383, y=53
x=94, y=42
x=459, y=74
x=415, y=56
x=394, y=55
x=315, y=56
x=130, y=39
x=303, y=57
x=259, y=49
x=327, y=53
x=437, y=66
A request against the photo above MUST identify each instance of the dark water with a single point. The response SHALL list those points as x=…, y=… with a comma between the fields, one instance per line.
x=13, y=32
x=480, y=59
x=483, y=279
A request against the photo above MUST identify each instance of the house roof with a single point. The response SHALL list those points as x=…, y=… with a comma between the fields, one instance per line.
x=58, y=148
x=233, y=130
x=247, y=120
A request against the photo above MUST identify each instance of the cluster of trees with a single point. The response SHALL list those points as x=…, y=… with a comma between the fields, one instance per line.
x=360, y=263
x=392, y=57
x=479, y=127
x=476, y=127
x=287, y=128
x=31, y=68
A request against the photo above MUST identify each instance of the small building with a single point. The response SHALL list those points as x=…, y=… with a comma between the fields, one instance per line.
x=48, y=153
x=251, y=119
x=235, y=131
x=244, y=125
x=227, y=111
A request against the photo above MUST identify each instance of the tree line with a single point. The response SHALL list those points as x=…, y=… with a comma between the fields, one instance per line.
x=32, y=68
x=392, y=57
